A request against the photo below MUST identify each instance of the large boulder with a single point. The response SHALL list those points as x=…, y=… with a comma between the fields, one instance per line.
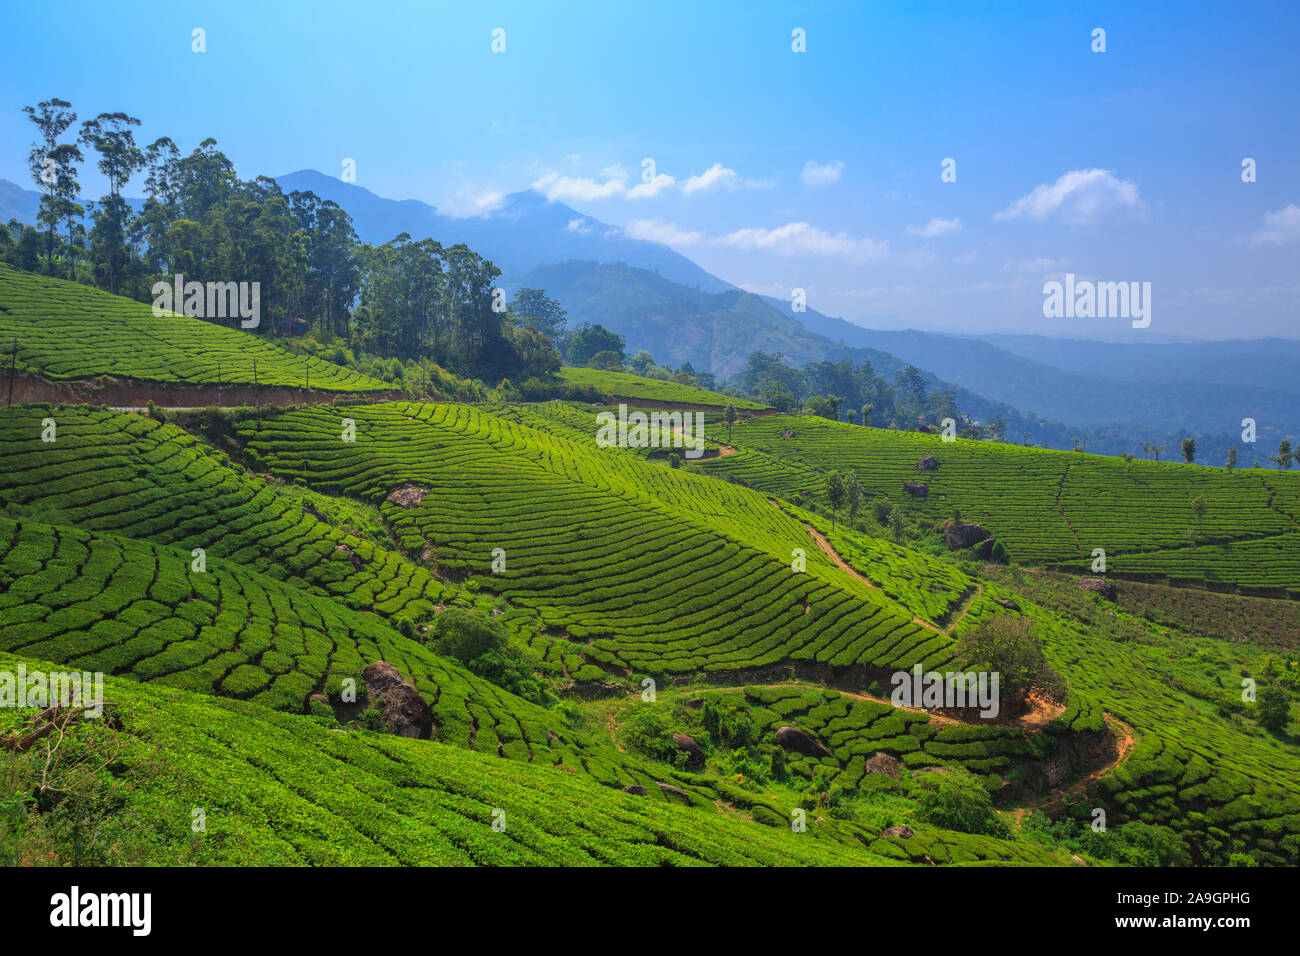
x=800, y=741
x=404, y=710
x=635, y=789
x=407, y=496
x=882, y=762
x=694, y=755
x=961, y=534
x=348, y=555
x=669, y=788
x=917, y=489
x=899, y=832
x=1098, y=586
x=1007, y=603
x=928, y=463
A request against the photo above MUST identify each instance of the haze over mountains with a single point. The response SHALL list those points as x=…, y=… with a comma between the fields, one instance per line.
x=664, y=303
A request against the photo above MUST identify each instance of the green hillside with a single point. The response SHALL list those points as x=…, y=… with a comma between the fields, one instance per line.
x=68, y=332
x=656, y=569
x=624, y=385
x=283, y=790
x=130, y=609
x=615, y=567
x=1048, y=507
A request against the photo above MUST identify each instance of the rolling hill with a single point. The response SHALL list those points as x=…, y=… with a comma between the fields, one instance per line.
x=66, y=332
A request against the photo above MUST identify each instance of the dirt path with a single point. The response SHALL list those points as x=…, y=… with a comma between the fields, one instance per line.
x=125, y=393
x=1125, y=741
x=723, y=450
x=613, y=736
x=967, y=602
x=1040, y=713
x=829, y=550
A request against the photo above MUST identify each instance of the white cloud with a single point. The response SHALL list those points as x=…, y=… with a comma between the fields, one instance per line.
x=651, y=189
x=590, y=227
x=466, y=203
x=1080, y=196
x=1279, y=227
x=801, y=238
x=554, y=186
x=936, y=227
x=717, y=176
x=821, y=174
x=614, y=171
x=666, y=233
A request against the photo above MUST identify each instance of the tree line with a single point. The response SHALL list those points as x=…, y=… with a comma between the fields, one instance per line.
x=406, y=299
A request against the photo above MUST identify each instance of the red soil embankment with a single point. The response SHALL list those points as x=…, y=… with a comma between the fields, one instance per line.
x=126, y=393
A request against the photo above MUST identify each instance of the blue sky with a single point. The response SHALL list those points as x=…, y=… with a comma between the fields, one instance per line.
x=818, y=170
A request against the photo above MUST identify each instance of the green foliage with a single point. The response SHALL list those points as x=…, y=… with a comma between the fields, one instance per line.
x=1046, y=507
x=647, y=729
x=956, y=800
x=282, y=790
x=1273, y=708
x=1006, y=644
x=587, y=341
x=483, y=646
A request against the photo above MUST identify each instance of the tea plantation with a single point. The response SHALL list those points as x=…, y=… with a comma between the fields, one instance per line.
x=65, y=331
x=690, y=660
x=282, y=790
x=622, y=385
x=1048, y=507
x=656, y=569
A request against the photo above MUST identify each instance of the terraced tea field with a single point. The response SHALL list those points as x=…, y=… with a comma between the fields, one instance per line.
x=324, y=550
x=67, y=331
x=125, y=607
x=280, y=789
x=624, y=385
x=657, y=570
x=132, y=609
x=1048, y=507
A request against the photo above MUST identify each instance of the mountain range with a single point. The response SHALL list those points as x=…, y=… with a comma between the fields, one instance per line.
x=664, y=303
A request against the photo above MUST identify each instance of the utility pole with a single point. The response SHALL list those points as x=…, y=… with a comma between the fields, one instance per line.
x=218, y=384
x=257, y=395
x=13, y=365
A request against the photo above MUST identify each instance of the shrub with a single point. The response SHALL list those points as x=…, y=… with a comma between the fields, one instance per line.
x=647, y=731
x=955, y=800
x=1006, y=644
x=483, y=646
x=1273, y=709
